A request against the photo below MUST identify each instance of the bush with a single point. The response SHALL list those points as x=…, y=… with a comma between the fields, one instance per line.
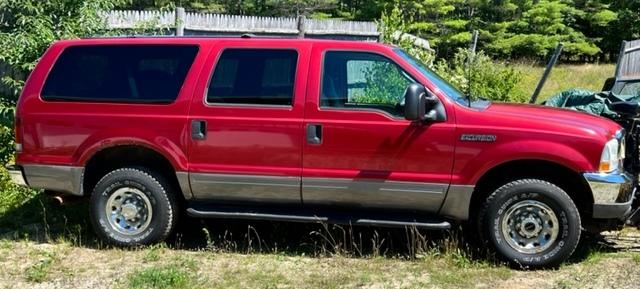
x=11, y=195
x=6, y=145
x=488, y=79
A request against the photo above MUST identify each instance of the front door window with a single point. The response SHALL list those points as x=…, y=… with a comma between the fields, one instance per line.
x=361, y=80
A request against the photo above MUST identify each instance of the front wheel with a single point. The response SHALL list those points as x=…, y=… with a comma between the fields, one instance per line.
x=531, y=223
x=133, y=206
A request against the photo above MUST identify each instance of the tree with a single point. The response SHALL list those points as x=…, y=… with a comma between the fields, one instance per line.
x=30, y=26
x=27, y=28
x=626, y=26
x=540, y=28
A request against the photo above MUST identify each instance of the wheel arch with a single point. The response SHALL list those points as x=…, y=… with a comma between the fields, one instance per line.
x=564, y=177
x=132, y=155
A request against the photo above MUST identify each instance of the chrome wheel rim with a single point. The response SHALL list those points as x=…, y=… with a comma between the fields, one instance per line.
x=129, y=211
x=530, y=227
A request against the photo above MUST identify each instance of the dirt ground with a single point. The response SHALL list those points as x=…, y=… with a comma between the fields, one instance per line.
x=62, y=264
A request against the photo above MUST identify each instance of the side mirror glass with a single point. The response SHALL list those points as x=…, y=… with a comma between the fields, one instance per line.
x=419, y=104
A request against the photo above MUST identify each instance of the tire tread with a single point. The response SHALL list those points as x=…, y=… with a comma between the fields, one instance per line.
x=168, y=197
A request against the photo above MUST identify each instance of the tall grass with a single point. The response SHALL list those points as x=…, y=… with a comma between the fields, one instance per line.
x=563, y=77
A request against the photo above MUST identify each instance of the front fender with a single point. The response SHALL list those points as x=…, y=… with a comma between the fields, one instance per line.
x=470, y=167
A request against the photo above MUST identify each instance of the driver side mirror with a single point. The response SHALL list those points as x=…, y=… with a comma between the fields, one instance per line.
x=421, y=105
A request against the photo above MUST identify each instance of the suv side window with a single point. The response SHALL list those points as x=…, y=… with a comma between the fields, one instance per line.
x=119, y=73
x=254, y=76
x=361, y=80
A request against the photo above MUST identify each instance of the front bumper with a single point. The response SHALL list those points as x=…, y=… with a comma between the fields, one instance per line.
x=612, y=194
x=17, y=176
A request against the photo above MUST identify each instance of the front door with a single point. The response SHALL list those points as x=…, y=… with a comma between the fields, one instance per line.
x=246, y=128
x=359, y=151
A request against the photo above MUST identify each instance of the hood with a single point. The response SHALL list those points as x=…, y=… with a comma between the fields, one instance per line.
x=537, y=117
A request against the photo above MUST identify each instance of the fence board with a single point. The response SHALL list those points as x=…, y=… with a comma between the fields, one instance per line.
x=629, y=66
x=221, y=23
x=129, y=19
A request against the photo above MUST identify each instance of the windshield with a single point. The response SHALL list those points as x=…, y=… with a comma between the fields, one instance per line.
x=445, y=86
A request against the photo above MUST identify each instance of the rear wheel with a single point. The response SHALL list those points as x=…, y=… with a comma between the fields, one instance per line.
x=133, y=206
x=531, y=223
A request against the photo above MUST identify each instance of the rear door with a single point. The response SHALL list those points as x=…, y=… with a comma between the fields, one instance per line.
x=359, y=150
x=246, y=123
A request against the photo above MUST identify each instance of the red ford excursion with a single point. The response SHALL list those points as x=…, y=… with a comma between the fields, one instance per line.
x=313, y=131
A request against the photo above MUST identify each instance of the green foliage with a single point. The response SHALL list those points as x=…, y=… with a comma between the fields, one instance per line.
x=542, y=26
x=39, y=272
x=385, y=85
x=590, y=29
x=12, y=196
x=6, y=144
x=485, y=78
x=491, y=80
x=28, y=28
x=175, y=275
x=392, y=27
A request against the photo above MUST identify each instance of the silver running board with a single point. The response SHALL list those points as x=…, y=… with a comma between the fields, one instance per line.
x=320, y=217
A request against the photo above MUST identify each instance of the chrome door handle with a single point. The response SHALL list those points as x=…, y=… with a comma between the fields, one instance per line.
x=314, y=134
x=198, y=129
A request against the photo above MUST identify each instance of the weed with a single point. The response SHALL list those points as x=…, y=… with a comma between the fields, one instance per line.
x=636, y=258
x=153, y=253
x=564, y=284
x=594, y=256
x=39, y=271
x=170, y=276
x=6, y=245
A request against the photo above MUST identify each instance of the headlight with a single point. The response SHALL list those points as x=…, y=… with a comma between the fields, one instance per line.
x=612, y=156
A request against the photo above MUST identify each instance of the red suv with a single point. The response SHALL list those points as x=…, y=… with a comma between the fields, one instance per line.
x=313, y=131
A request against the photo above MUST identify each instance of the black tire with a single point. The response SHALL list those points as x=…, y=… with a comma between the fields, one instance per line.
x=525, y=203
x=159, y=194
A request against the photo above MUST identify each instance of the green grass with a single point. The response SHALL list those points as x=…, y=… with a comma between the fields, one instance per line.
x=636, y=258
x=153, y=253
x=563, y=77
x=39, y=272
x=175, y=275
x=12, y=196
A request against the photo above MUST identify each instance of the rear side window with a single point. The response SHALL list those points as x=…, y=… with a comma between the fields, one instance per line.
x=119, y=73
x=254, y=76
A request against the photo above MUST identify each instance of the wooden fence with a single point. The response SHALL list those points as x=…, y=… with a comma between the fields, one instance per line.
x=629, y=61
x=191, y=23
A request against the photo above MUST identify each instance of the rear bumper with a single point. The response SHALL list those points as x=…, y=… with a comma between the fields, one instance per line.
x=17, y=176
x=62, y=179
x=612, y=194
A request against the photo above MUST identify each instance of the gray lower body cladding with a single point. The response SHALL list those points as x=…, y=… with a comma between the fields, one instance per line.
x=449, y=200
x=63, y=179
